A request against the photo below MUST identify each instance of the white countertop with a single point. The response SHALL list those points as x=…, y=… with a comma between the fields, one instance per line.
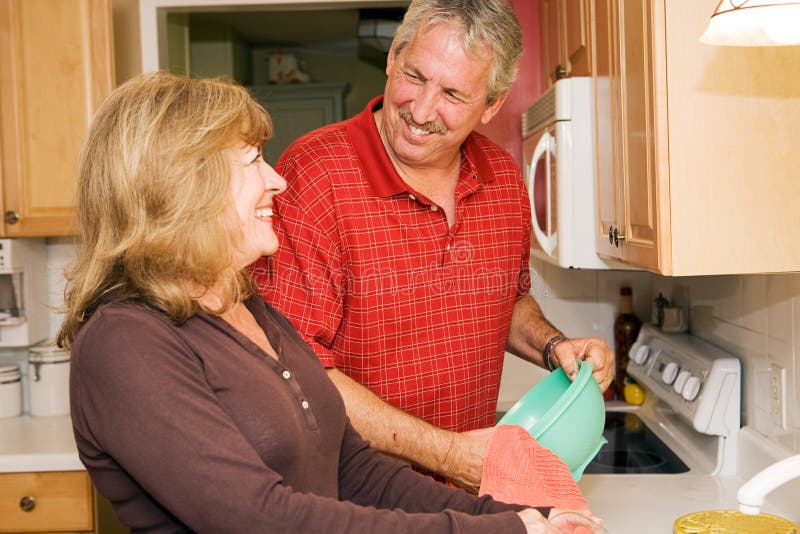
x=37, y=444
x=632, y=504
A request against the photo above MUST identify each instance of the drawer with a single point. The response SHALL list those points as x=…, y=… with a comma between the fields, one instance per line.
x=62, y=501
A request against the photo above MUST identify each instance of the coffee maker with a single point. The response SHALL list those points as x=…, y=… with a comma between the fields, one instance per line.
x=23, y=292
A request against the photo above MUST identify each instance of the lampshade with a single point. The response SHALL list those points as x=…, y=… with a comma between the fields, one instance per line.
x=754, y=23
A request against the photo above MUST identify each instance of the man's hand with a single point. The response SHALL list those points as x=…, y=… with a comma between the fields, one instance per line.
x=530, y=332
x=464, y=462
x=589, y=348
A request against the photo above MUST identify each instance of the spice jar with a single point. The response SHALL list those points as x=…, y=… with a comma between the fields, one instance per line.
x=48, y=381
x=10, y=391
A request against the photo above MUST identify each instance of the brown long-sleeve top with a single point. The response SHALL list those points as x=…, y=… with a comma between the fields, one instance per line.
x=194, y=427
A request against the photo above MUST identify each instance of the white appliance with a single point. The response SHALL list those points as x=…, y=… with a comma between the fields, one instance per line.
x=23, y=292
x=683, y=451
x=558, y=153
x=691, y=418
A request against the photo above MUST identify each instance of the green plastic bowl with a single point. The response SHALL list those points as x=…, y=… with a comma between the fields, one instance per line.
x=566, y=417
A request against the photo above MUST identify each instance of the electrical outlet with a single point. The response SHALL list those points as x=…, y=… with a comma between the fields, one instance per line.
x=777, y=392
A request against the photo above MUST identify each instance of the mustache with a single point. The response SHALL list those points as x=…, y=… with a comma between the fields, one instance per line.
x=430, y=126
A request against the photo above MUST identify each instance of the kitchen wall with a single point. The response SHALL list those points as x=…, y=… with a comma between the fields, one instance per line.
x=755, y=317
x=506, y=127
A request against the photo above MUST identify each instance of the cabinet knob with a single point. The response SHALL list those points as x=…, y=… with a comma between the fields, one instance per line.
x=27, y=503
x=11, y=217
x=618, y=237
x=560, y=72
x=614, y=236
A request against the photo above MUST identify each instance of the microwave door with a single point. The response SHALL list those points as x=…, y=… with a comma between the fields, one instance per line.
x=541, y=190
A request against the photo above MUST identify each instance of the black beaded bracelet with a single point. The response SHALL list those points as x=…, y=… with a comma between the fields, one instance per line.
x=548, y=349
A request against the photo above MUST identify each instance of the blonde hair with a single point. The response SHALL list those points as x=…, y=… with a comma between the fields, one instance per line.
x=485, y=22
x=152, y=195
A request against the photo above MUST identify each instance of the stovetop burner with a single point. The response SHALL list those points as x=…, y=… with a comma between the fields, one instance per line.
x=633, y=448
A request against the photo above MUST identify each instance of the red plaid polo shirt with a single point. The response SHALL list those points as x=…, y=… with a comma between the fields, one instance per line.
x=382, y=289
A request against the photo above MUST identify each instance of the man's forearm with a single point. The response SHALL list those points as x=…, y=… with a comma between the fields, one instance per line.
x=456, y=456
x=530, y=331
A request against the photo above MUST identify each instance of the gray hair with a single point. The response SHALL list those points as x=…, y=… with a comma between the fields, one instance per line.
x=485, y=22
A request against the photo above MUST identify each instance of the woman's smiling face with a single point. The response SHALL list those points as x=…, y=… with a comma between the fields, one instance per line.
x=254, y=185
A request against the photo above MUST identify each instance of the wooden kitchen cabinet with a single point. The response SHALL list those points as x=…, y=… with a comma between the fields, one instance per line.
x=565, y=38
x=695, y=144
x=624, y=133
x=56, y=67
x=58, y=501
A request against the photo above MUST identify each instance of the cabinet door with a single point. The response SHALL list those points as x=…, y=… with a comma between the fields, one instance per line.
x=552, y=48
x=608, y=126
x=577, y=25
x=297, y=109
x=56, y=67
x=639, y=163
x=566, y=27
x=292, y=119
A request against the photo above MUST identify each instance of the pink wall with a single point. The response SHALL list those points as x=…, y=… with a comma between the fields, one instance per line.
x=506, y=127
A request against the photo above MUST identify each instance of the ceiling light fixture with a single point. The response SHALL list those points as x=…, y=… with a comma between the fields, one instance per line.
x=377, y=33
x=754, y=23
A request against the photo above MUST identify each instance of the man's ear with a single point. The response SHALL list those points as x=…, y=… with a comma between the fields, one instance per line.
x=493, y=107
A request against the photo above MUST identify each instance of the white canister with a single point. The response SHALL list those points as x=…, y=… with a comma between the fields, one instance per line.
x=10, y=391
x=48, y=381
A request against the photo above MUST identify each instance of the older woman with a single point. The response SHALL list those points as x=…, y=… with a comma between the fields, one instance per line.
x=195, y=405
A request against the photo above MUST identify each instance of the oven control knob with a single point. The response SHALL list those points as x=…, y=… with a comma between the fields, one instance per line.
x=641, y=354
x=669, y=373
x=680, y=381
x=691, y=389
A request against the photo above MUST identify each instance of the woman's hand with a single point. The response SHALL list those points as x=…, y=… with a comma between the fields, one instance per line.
x=576, y=521
x=561, y=522
x=535, y=523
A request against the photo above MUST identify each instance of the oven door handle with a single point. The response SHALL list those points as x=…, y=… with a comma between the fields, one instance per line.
x=544, y=148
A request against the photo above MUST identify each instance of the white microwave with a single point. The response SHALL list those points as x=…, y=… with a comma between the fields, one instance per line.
x=558, y=153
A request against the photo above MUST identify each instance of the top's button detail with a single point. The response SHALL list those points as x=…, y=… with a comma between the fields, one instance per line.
x=287, y=375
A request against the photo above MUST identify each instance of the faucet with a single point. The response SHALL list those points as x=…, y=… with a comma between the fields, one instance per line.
x=751, y=494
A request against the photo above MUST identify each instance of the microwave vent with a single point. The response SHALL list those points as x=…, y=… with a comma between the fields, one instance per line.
x=539, y=113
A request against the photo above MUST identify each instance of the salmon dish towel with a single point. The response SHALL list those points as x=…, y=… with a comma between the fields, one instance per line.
x=518, y=470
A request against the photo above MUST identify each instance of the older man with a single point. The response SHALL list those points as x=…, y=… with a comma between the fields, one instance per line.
x=405, y=240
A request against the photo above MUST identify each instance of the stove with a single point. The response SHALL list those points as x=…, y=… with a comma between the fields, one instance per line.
x=691, y=416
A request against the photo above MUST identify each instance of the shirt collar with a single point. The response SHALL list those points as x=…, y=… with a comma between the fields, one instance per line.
x=379, y=170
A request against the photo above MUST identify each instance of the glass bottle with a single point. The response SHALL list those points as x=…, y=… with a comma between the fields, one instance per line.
x=626, y=329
